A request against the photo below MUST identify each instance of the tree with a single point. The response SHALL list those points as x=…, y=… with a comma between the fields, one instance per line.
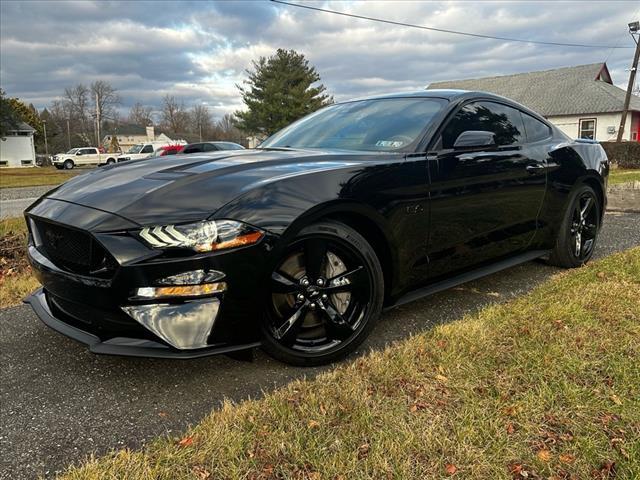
x=200, y=121
x=227, y=130
x=140, y=115
x=174, y=114
x=9, y=118
x=77, y=106
x=279, y=90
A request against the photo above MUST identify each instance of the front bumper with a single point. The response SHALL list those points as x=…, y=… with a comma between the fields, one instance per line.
x=103, y=313
x=132, y=347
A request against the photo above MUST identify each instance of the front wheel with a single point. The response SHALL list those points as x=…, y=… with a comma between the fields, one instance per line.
x=579, y=230
x=325, y=295
x=68, y=165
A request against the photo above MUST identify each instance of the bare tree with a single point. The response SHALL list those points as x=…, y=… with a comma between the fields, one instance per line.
x=106, y=99
x=141, y=115
x=77, y=105
x=200, y=121
x=226, y=128
x=174, y=114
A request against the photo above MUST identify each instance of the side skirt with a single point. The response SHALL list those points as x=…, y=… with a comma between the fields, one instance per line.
x=469, y=276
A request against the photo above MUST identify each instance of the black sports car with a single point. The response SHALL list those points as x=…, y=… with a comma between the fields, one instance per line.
x=297, y=246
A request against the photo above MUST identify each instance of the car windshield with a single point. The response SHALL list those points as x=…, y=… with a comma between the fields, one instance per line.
x=135, y=148
x=73, y=150
x=372, y=125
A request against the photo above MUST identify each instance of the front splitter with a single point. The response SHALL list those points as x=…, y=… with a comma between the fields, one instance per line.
x=123, y=346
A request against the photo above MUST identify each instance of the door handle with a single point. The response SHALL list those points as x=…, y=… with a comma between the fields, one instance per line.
x=535, y=168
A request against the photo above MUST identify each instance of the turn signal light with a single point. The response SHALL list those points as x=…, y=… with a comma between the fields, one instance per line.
x=181, y=290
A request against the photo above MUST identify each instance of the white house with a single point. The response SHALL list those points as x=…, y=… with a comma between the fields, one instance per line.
x=129, y=135
x=17, y=148
x=582, y=101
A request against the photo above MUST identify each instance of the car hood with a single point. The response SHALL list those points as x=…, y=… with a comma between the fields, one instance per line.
x=182, y=188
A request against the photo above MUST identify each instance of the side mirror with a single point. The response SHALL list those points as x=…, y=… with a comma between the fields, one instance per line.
x=475, y=138
x=78, y=153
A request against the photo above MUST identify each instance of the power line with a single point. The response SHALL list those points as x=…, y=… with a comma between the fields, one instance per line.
x=626, y=32
x=442, y=30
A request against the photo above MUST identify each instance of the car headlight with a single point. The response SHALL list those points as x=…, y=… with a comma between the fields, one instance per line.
x=207, y=236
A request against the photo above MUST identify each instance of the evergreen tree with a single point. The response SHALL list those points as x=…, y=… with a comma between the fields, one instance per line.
x=278, y=91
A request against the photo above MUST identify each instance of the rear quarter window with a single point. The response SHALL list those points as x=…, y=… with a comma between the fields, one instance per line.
x=535, y=129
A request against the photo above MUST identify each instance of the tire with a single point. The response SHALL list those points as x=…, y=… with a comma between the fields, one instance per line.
x=579, y=229
x=59, y=167
x=329, y=316
x=68, y=165
x=111, y=161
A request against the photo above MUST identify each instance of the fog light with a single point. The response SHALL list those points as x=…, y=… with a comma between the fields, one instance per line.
x=180, y=290
x=184, y=326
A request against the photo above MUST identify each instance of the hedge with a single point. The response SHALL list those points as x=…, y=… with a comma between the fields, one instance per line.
x=623, y=154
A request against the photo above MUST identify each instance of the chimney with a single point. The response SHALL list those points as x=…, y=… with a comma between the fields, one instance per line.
x=151, y=133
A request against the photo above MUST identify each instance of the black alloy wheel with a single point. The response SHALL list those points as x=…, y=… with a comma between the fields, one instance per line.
x=579, y=230
x=326, y=294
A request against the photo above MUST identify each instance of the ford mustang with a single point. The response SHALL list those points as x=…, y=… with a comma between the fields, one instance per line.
x=297, y=246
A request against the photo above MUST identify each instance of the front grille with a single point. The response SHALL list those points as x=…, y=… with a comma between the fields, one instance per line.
x=73, y=250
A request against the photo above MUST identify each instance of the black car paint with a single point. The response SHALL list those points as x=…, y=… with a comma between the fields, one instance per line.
x=429, y=215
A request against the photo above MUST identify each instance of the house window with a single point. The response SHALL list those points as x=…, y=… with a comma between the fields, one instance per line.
x=587, y=128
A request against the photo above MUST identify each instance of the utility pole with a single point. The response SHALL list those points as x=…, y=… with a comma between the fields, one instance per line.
x=634, y=29
x=97, y=120
x=46, y=145
x=200, y=129
x=68, y=134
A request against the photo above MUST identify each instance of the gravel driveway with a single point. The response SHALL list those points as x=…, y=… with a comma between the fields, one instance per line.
x=60, y=403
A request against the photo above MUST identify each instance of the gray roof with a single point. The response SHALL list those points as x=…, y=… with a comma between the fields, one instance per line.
x=584, y=89
x=22, y=127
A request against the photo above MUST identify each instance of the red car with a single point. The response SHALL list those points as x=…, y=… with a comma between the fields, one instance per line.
x=169, y=150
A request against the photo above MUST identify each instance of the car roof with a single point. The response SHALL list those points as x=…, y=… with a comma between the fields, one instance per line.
x=435, y=93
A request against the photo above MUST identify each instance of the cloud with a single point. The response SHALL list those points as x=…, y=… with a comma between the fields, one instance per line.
x=198, y=51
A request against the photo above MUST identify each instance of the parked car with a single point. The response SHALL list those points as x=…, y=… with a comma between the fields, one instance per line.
x=298, y=245
x=82, y=156
x=168, y=150
x=142, y=150
x=202, y=147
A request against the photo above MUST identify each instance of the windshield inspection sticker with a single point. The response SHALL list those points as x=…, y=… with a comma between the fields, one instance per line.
x=389, y=143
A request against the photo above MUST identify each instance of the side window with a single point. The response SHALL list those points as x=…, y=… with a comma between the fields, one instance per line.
x=88, y=151
x=536, y=130
x=147, y=149
x=505, y=122
x=195, y=148
x=209, y=147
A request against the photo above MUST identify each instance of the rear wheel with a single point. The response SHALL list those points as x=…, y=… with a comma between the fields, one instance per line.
x=111, y=161
x=326, y=294
x=579, y=230
x=68, y=165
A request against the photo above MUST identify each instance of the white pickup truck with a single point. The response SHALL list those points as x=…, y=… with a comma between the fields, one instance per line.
x=143, y=150
x=83, y=156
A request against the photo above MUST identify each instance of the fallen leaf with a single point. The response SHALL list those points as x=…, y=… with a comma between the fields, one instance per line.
x=185, y=442
x=323, y=411
x=313, y=424
x=600, y=275
x=450, y=468
x=416, y=406
x=544, y=455
x=201, y=472
x=608, y=469
x=442, y=378
x=363, y=451
x=510, y=428
x=567, y=458
x=616, y=400
x=163, y=414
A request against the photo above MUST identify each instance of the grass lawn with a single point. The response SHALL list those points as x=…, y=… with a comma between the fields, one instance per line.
x=545, y=386
x=623, y=175
x=16, y=280
x=31, y=177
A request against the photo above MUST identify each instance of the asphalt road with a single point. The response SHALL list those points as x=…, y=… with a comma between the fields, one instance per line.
x=59, y=403
x=13, y=201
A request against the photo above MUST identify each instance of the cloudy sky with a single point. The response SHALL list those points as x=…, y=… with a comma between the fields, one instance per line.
x=199, y=50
